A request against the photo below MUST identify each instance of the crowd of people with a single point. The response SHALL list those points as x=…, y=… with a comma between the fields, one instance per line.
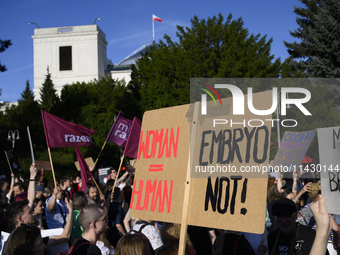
x=97, y=221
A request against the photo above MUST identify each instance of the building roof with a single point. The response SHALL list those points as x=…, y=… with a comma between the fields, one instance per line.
x=137, y=54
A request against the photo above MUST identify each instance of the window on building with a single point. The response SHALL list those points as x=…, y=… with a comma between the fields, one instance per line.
x=65, y=58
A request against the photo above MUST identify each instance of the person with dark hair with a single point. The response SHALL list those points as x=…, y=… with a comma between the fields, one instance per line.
x=56, y=210
x=65, y=185
x=94, y=222
x=3, y=206
x=38, y=211
x=79, y=202
x=4, y=185
x=116, y=217
x=18, y=213
x=126, y=198
x=18, y=188
x=132, y=245
x=24, y=240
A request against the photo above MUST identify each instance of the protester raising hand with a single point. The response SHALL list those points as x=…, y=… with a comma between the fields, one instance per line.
x=324, y=227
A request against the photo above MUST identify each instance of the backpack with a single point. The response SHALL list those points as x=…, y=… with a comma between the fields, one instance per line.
x=72, y=248
x=139, y=232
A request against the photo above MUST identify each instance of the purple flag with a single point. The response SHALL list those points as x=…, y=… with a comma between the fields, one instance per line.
x=119, y=132
x=61, y=133
x=131, y=148
x=85, y=172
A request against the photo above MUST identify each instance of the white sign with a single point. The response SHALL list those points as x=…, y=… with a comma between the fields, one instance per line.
x=329, y=151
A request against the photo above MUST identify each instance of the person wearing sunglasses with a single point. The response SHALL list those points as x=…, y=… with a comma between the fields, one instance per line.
x=94, y=221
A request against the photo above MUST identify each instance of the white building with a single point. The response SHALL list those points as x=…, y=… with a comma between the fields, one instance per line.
x=72, y=54
x=76, y=54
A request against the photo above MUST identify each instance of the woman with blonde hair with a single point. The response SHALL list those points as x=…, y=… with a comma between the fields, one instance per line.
x=170, y=233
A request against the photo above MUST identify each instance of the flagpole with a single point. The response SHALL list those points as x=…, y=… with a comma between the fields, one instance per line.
x=153, y=30
x=9, y=164
x=31, y=147
x=95, y=163
x=52, y=168
x=121, y=161
x=100, y=192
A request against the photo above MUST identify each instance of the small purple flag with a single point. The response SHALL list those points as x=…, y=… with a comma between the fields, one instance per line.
x=120, y=130
x=85, y=172
x=131, y=148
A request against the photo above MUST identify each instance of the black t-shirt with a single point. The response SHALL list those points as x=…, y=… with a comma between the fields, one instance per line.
x=84, y=247
x=304, y=239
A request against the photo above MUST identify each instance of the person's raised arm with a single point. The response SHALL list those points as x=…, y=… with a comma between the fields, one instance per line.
x=324, y=227
x=9, y=194
x=52, y=202
x=65, y=236
x=31, y=185
x=279, y=182
x=306, y=188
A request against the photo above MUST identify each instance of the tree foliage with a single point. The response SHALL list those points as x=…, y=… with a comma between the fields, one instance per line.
x=3, y=46
x=27, y=94
x=95, y=105
x=209, y=48
x=317, y=52
x=48, y=96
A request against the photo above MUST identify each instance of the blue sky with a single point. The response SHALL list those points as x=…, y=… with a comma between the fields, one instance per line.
x=127, y=25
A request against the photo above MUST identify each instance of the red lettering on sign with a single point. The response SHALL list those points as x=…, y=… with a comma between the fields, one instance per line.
x=155, y=140
x=156, y=189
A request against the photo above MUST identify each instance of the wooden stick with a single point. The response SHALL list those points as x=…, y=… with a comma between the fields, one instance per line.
x=9, y=164
x=188, y=184
x=100, y=192
x=121, y=161
x=31, y=147
x=49, y=153
x=95, y=163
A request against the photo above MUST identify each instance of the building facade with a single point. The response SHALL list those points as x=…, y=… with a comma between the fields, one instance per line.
x=72, y=54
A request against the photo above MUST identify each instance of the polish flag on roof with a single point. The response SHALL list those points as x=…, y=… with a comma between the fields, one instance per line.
x=155, y=18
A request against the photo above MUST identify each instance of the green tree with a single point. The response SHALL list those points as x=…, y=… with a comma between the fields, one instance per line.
x=317, y=51
x=209, y=48
x=27, y=94
x=3, y=46
x=95, y=105
x=48, y=96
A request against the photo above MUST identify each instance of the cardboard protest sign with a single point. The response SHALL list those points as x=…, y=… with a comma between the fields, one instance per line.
x=329, y=151
x=162, y=164
x=293, y=148
x=222, y=201
x=230, y=167
x=89, y=162
x=46, y=165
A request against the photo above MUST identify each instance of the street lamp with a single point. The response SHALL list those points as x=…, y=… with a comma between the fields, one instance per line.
x=96, y=20
x=29, y=23
x=12, y=136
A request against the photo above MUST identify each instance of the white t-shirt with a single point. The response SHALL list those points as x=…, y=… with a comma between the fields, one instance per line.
x=151, y=233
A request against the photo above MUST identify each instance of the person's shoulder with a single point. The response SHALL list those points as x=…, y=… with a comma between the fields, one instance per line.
x=82, y=247
x=305, y=230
